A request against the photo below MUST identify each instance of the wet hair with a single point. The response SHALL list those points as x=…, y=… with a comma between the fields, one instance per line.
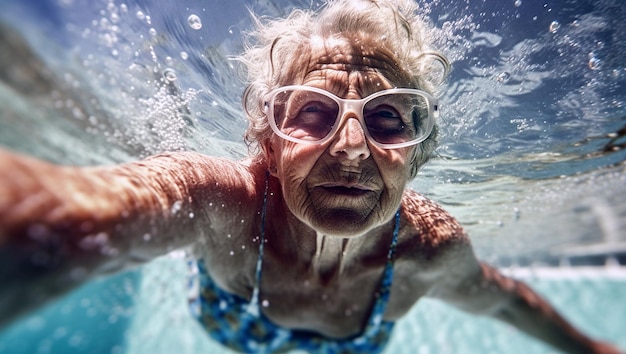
x=276, y=55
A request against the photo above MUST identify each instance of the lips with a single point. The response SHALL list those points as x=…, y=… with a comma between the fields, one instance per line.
x=346, y=189
x=336, y=179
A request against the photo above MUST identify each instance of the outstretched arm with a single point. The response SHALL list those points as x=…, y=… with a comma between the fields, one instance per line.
x=481, y=289
x=451, y=272
x=59, y=226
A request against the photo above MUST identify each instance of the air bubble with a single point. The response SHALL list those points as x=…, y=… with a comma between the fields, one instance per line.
x=194, y=22
x=75, y=340
x=140, y=15
x=554, y=26
x=503, y=77
x=78, y=113
x=184, y=55
x=176, y=207
x=265, y=303
x=93, y=242
x=594, y=63
x=169, y=74
x=60, y=332
x=518, y=3
x=615, y=73
x=109, y=251
x=78, y=274
x=37, y=232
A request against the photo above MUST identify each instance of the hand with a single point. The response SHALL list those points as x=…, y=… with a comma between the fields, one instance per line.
x=604, y=348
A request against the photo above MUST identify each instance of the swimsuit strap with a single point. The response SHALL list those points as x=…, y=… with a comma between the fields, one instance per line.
x=382, y=296
x=253, y=307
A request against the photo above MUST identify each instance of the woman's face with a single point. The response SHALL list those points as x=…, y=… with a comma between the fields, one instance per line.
x=344, y=187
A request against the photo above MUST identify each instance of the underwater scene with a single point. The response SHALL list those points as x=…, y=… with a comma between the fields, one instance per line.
x=531, y=155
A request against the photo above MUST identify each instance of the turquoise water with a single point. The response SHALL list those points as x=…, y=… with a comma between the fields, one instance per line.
x=531, y=158
x=145, y=311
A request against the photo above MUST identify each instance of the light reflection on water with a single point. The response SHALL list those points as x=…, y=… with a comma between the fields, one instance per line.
x=530, y=161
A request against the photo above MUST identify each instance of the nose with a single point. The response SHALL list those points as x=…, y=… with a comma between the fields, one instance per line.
x=350, y=141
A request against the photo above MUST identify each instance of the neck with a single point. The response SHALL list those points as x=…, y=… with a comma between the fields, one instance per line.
x=329, y=255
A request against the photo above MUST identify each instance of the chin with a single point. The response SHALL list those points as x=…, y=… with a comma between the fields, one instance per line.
x=342, y=223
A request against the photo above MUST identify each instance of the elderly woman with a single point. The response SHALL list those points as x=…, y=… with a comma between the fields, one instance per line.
x=313, y=243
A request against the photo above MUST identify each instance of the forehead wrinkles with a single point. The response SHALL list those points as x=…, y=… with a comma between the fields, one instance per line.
x=342, y=79
x=343, y=63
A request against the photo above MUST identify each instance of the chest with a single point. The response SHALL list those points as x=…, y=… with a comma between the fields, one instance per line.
x=335, y=299
x=295, y=296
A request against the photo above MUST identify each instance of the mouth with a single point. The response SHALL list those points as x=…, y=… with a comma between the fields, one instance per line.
x=346, y=189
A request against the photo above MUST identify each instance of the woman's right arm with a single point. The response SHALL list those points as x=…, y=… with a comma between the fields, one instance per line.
x=60, y=226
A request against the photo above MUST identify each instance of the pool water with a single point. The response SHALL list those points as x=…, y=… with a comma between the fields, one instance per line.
x=145, y=311
x=531, y=158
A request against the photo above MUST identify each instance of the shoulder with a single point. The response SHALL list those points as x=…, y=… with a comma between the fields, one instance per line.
x=433, y=250
x=197, y=164
x=429, y=227
x=219, y=189
x=197, y=170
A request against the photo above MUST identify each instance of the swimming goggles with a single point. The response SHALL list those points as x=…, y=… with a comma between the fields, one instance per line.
x=392, y=119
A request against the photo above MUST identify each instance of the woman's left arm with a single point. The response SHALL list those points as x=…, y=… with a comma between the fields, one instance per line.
x=478, y=288
x=450, y=271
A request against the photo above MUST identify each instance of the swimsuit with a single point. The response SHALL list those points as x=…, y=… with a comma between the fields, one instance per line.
x=239, y=324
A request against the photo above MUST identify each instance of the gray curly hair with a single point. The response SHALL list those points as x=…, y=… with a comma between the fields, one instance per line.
x=275, y=48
